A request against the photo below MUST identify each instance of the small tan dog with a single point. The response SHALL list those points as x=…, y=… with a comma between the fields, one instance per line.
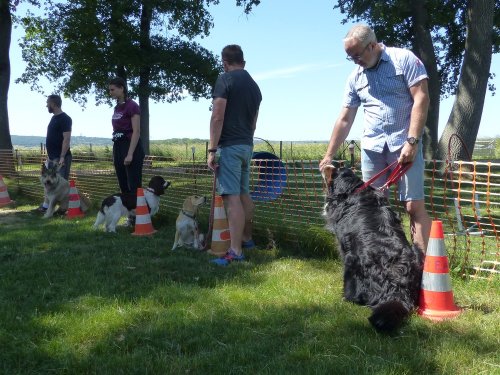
x=186, y=225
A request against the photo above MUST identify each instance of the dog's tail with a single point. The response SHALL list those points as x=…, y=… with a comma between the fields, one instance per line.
x=388, y=316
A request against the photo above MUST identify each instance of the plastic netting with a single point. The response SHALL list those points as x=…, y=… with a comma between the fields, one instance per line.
x=289, y=197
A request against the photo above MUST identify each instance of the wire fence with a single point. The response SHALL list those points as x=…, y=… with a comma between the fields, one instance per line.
x=289, y=197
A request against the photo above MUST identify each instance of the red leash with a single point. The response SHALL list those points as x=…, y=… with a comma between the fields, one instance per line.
x=393, y=178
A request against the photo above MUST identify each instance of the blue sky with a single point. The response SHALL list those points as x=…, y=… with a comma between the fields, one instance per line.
x=294, y=51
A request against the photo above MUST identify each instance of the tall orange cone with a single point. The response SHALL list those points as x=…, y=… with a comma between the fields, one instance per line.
x=436, y=296
x=143, y=225
x=4, y=194
x=221, y=237
x=74, y=207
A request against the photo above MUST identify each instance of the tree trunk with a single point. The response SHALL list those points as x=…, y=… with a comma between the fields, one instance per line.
x=424, y=49
x=145, y=72
x=5, y=36
x=144, y=104
x=465, y=116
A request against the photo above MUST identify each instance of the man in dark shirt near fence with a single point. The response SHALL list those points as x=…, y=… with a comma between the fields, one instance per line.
x=236, y=101
x=58, y=139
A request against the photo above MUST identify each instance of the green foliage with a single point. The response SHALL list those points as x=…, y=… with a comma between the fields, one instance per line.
x=79, y=45
x=318, y=242
x=394, y=23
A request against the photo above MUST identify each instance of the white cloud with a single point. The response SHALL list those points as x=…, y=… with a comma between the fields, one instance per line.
x=291, y=71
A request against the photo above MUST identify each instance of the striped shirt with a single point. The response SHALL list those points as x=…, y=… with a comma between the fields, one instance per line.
x=384, y=91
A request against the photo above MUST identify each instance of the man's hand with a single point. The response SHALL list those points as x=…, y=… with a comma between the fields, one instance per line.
x=327, y=160
x=61, y=161
x=408, y=153
x=211, y=161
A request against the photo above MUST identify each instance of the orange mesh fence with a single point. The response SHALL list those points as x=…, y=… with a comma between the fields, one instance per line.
x=289, y=198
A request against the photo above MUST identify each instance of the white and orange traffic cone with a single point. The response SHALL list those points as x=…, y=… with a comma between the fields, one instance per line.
x=221, y=237
x=4, y=194
x=436, y=296
x=143, y=225
x=74, y=206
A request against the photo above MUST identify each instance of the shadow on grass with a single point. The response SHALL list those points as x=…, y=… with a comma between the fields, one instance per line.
x=79, y=301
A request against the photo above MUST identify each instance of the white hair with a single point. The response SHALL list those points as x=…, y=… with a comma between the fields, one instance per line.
x=363, y=33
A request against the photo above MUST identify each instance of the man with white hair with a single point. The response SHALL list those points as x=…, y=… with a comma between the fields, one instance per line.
x=391, y=84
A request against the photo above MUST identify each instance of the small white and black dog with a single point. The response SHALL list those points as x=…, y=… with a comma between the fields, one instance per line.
x=57, y=189
x=381, y=269
x=186, y=225
x=120, y=204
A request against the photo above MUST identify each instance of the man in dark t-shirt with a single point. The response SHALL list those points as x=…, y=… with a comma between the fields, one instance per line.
x=58, y=139
x=236, y=101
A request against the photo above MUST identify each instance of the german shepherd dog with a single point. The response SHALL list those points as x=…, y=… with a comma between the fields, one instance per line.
x=381, y=269
x=56, y=190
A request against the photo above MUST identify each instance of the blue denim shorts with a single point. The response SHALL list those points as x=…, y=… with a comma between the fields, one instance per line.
x=411, y=185
x=233, y=174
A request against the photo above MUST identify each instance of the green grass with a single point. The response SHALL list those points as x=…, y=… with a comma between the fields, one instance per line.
x=76, y=301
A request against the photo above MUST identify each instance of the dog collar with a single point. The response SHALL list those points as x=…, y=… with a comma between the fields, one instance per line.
x=150, y=190
x=188, y=214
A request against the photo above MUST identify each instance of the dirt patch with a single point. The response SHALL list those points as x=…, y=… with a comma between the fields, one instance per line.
x=11, y=216
x=8, y=216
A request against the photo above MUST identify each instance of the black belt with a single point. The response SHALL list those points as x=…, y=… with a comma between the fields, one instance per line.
x=119, y=137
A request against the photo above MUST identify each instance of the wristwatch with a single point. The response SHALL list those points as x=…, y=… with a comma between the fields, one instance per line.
x=412, y=140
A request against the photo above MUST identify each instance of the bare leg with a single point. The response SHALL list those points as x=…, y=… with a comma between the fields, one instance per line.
x=420, y=223
x=249, y=208
x=236, y=219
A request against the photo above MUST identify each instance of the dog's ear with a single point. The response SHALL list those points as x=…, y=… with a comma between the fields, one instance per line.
x=188, y=204
x=158, y=184
x=327, y=173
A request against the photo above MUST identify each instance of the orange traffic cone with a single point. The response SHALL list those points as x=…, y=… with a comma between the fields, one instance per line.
x=4, y=194
x=143, y=225
x=74, y=207
x=221, y=238
x=436, y=296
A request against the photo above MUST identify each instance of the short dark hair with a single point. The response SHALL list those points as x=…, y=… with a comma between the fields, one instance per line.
x=120, y=82
x=233, y=54
x=56, y=99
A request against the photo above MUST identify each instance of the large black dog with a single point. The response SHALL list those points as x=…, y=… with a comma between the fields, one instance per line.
x=381, y=269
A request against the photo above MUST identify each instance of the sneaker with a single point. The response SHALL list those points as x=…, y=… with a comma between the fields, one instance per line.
x=41, y=208
x=228, y=258
x=248, y=245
